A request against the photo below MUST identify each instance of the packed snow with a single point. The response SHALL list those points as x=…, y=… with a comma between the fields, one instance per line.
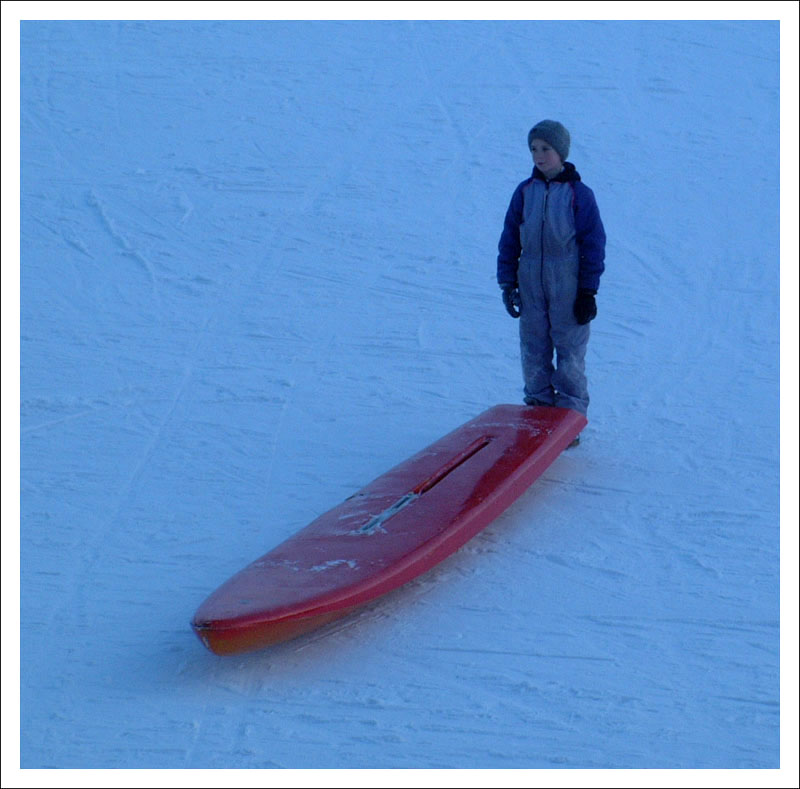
x=258, y=270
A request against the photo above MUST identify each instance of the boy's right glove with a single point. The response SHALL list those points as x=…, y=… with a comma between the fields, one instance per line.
x=511, y=300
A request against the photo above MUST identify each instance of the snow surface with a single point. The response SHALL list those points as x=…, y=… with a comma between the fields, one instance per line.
x=257, y=270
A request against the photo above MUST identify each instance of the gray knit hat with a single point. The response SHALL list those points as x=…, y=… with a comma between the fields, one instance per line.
x=554, y=133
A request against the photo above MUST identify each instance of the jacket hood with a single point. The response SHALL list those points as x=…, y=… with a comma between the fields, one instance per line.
x=569, y=173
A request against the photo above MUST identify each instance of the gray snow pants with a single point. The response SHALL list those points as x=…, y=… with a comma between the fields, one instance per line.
x=547, y=325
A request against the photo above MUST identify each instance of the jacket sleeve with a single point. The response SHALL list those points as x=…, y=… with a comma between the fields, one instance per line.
x=510, y=246
x=591, y=237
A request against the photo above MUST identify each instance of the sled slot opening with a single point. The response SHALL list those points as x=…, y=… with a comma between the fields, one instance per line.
x=449, y=467
x=377, y=521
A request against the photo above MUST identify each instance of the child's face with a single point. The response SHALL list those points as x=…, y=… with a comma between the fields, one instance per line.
x=546, y=158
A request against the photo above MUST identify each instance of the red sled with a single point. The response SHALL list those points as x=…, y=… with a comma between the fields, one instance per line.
x=394, y=529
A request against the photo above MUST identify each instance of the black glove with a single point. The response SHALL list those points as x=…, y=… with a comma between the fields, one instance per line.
x=511, y=300
x=585, y=307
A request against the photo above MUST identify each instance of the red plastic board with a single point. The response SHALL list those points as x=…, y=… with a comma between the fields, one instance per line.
x=397, y=527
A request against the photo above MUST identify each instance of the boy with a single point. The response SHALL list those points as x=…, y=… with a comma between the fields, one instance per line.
x=551, y=256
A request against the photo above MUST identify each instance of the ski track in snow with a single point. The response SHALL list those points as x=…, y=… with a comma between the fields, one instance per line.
x=258, y=271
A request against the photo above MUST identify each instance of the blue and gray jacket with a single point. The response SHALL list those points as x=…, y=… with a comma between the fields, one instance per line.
x=548, y=220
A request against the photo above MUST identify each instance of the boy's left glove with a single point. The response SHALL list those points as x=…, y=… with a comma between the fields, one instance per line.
x=585, y=307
